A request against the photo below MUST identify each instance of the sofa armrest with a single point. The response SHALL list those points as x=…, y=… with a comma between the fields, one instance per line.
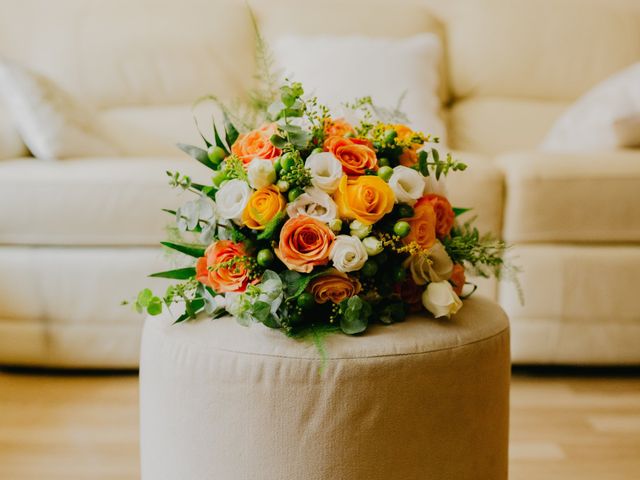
x=572, y=197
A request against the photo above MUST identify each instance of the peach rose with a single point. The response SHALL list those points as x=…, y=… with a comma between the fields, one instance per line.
x=335, y=286
x=304, y=243
x=408, y=157
x=222, y=267
x=256, y=143
x=445, y=215
x=264, y=204
x=458, y=278
x=423, y=224
x=367, y=198
x=356, y=156
x=338, y=127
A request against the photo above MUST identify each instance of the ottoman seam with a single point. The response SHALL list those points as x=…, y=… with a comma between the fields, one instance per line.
x=255, y=354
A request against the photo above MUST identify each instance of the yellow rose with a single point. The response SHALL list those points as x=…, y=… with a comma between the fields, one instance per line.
x=263, y=205
x=367, y=198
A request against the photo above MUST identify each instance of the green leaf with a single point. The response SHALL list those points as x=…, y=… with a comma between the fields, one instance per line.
x=423, y=167
x=355, y=315
x=459, y=211
x=144, y=297
x=181, y=318
x=435, y=154
x=439, y=169
x=178, y=274
x=192, y=251
x=300, y=139
x=155, y=306
x=217, y=139
x=171, y=212
x=231, y=134
x=192, y=308
x=271, y=227
x=261, y=311
x=277, y=141
x=198, y=153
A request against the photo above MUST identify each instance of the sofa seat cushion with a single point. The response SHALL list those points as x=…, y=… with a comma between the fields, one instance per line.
x=572, y=197
x=90, y=201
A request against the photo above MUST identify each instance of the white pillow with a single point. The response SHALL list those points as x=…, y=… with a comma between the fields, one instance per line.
x=51, y=122
x=338, y=69
x=605, y=118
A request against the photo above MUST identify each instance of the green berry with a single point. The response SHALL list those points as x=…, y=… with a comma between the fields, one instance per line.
x=401, y=228
x=265, y=257
x=385, y=173
x=282, y=185
x=316, y=150
x=305, y=301
x=390, y=135
x=215, y=154
x=383, y=162
x=277, y=166
x=405, y=211
x=295, y=193
x=369, y=269
x=287, y=161
x=399, y=274
x=218, y=177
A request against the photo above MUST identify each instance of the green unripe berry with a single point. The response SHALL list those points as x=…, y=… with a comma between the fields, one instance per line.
x=405, y=211
x=277, y=166
x=316, y=150
x=282, y=185
x=369, y=269
x=287, y=161
x=218, y=177
x=295, y=193
x=401, y=228
x=305, y=301
x=390, y=135
x=383, y=162
x=265, y=257
x=399, y=274
x=215, y=154
x=385, y=173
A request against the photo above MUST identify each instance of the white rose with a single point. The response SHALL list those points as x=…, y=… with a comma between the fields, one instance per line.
x=348, y=253
x=373, y=246
x=326, y=171
x=231, y=199
x=440, y=299
x=313, y=203
x=359, y=229
x=407, y=184
x=261, y=173
x=432, y=266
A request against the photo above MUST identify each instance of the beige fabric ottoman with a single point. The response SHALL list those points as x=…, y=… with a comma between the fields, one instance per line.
x=422, y=399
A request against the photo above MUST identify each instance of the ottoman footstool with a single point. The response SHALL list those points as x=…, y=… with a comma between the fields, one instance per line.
x=421, y=399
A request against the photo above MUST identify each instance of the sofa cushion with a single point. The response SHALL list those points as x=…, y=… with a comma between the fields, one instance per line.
x=90, y=201
x=493, y=125
x=572, y=197
x=547, y=49
x=143, y=52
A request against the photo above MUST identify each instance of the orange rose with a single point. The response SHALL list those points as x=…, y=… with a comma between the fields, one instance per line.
x=264, y=204
x=222, y=267
x=334, y=286
x=408, y=157
x=367, y=198
x=445, y=216
x=423, y=224
x=356, y=156
x=304, y=243
x=404, y=133
x=457, y=278
x=256, y=144
x=338, y=127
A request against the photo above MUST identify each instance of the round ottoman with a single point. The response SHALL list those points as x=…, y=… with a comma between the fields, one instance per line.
x=422, y=399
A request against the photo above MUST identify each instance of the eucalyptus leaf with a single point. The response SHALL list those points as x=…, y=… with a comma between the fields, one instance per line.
x=277, y=141
x=355, y=317
x=144, y=297
x=155, y=306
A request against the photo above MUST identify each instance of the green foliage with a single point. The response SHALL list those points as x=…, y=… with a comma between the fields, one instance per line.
x=148, y=302
x=177, y=274
x=459, y=211
x=355, y=313
x=437, y=166
x=272, y=227
x=197, y=153
x=191, y=250
x=234, y=168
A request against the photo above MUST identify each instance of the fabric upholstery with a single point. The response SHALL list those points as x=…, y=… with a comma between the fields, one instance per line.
x=315, y=61
x=580, y=305
x=419, y=399
x=11, y=145
x=61, y=307
x=494, y=125
x=99, y=201
x=572, y=197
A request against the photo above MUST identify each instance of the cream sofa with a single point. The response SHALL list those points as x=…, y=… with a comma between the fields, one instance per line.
x=77, y=236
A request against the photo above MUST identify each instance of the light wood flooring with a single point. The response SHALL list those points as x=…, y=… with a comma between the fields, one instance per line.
x=564, y=425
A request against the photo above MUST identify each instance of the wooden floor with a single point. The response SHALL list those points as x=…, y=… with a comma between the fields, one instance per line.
x=564, y=426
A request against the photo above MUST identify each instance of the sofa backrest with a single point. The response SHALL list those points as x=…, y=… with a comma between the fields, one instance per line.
x=510, y=66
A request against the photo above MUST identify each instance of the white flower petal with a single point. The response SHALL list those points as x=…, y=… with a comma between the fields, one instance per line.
x=326, y=171
x=407, y=184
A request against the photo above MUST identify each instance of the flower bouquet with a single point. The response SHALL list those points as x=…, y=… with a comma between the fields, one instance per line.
x=311, y=222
